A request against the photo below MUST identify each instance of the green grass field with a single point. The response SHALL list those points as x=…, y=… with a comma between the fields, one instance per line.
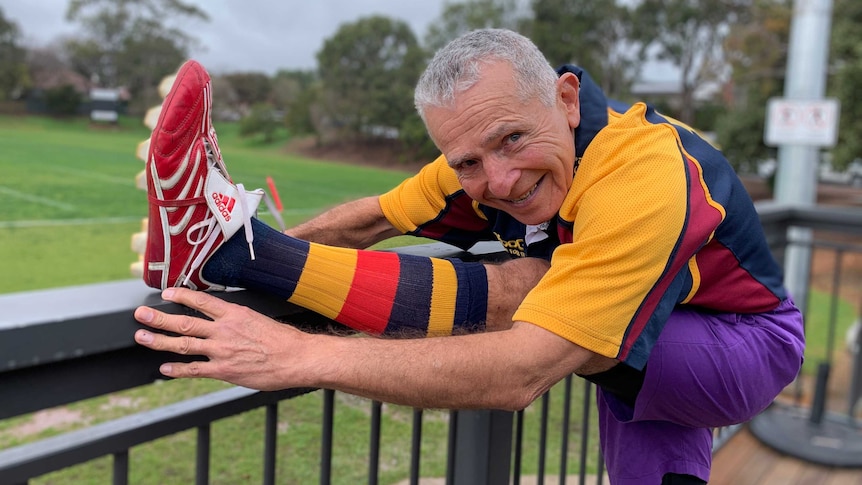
x=72, y=207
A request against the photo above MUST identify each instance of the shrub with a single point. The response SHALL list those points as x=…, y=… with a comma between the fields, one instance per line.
x=63, y=100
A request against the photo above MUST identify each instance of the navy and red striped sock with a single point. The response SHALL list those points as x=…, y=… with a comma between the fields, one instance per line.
x=376, y=292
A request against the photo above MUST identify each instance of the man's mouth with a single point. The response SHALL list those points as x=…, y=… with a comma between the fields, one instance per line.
x=526, y=195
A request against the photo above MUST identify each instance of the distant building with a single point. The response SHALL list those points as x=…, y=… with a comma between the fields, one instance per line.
x=105, y=105
x=100, y=104
x=45, y=80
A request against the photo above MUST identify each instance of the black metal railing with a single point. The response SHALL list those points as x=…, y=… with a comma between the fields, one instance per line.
x=804, y=424
x=77, y=343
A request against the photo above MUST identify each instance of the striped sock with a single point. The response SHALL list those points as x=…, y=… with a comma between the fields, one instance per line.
x=376, y=292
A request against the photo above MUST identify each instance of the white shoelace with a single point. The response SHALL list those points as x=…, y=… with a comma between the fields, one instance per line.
x=210, y=227
x=212, y=230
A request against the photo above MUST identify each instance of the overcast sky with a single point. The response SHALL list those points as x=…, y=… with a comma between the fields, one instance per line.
x=245, y=35
x=261, y=35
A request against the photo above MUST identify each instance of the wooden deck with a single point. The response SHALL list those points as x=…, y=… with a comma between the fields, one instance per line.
x=744, y=460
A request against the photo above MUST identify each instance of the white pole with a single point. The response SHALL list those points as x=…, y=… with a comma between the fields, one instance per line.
x=796, y=179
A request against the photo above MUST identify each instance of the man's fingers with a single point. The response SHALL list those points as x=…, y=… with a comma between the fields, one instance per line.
x=180, y=370
x=184, y=344
x=203, y=302
x=236, y=343
x=181, y=324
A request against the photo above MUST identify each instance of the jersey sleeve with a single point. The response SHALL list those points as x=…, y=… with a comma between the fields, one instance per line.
x=612, y=286
x=433, y=204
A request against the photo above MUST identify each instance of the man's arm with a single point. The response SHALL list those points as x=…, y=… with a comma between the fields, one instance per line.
x=357, y=224
x=508, y=285
x=498, y=370
x=361, y=223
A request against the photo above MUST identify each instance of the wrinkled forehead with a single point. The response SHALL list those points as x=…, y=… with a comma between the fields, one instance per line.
x=480, y=118
x=445, y=91
x=494, y=80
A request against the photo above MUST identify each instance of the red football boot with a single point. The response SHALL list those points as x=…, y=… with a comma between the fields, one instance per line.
x=194, y=206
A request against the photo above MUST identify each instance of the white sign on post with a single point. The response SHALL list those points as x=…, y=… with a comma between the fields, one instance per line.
x=802, y=122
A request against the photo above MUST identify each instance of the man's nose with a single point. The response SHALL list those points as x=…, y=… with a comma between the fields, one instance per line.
x=502, y=177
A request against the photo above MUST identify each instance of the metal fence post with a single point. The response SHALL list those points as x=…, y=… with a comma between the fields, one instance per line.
x=483, y=448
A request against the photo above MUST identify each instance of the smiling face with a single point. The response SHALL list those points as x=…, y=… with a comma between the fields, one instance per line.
x=513, y=155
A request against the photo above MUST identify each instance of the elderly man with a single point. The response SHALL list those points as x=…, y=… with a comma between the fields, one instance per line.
x=638, y=262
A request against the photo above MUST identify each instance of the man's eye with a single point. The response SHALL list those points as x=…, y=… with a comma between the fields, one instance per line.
x=514, y=137
x=464, y=165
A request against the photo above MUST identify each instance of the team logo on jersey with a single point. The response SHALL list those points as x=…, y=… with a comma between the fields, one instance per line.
x=514, y=247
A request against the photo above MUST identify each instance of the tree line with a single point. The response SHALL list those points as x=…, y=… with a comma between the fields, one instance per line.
x=728, y=56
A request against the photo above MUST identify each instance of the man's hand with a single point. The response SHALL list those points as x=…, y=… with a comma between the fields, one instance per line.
x=495, y=370
x=243, y=347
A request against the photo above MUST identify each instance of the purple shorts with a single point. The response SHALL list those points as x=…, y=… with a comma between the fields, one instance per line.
x=706, y=370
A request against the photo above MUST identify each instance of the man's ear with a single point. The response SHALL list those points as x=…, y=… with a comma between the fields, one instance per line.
x=568, y=92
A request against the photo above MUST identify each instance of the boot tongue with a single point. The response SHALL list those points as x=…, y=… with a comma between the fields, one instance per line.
x=223, y=201
x=229, y=211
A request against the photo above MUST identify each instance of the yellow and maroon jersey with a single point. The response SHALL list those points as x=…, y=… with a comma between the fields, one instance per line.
x=655, y=218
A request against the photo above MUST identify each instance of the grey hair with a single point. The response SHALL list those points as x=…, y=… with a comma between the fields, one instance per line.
x=457, y=67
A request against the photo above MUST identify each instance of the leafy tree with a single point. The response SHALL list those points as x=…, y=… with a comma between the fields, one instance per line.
x=148, y=54
x=287, y=85
x=63, y=100
x=226, y=107
x=368, y=71
x=251, y=87
x=846, y=59
x=415, y=139
x=459, y=18
x=262, y=120
x=689, y=34
x=295, y=92
x=130, y=42
x=45, y=59
x=756, y=51
x=13, y=69
x=593, y=35
x=740, y=135
x=298, y=113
